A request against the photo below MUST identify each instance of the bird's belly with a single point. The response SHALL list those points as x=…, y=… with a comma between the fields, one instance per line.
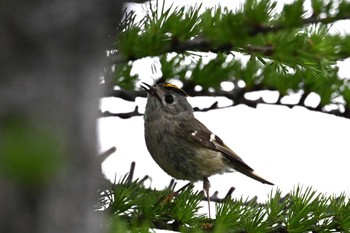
x=191, y=165
x=209, y=162
x=182, y=159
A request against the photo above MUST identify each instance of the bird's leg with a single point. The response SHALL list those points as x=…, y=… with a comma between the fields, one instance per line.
x=206, y=186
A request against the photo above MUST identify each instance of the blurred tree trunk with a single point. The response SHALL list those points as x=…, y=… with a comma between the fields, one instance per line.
x=52, y=53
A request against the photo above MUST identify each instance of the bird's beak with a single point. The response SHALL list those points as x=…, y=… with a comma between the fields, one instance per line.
x=151, y=90
x=148, y=88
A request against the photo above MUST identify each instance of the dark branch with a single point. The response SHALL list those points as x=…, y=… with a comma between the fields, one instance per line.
x=121, y=115
x=236, y=95
x=102, y=157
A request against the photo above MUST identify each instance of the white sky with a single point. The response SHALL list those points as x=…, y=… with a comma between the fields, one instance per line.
x=285, y=146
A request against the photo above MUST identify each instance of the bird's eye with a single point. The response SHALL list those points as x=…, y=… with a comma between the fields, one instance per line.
x=169, y=99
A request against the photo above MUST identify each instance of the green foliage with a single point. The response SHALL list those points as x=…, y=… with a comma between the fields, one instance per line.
x=123, y=77
x=136, y=206
x=340, y=207
x=133, y=207
x=292, y=14
x=291, y=51
x=305, y=211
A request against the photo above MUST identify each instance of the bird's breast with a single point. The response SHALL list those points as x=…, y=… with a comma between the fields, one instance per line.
x=180, y=157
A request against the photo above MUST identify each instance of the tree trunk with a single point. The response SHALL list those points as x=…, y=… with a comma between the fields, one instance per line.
x=51, y=58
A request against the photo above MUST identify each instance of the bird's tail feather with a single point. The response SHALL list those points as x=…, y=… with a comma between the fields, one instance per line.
x=250, y=173
x=256, y=177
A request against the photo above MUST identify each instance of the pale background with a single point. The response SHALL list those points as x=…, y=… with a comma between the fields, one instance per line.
x=285, y=146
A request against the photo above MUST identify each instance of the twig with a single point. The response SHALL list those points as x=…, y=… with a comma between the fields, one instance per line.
x=102, y=157
x=126, y=115
x=131, y=173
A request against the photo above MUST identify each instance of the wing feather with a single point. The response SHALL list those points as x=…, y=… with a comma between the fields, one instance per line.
x=203, y=136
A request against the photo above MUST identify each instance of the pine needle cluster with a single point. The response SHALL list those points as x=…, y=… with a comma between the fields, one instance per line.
x=135, y=208
x=290, y=51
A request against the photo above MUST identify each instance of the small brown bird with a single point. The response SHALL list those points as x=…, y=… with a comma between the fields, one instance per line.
x=181, y=145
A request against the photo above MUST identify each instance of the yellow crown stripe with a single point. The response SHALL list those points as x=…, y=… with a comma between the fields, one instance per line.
x=175, y=88
x=171, y=85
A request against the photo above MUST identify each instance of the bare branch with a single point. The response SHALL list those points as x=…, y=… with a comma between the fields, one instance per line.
x=236, y=95
x=122, y=115
x=102, y=157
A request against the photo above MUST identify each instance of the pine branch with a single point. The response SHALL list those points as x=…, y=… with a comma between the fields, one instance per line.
x=132, y=206
x=286, y=55
x=202, y=44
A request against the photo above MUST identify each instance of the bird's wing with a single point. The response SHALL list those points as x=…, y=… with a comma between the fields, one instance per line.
x=202, y=135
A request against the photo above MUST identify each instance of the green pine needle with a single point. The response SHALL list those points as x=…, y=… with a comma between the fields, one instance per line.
x=136, y=208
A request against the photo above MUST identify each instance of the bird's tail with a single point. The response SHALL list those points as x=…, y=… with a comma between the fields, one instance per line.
x=251, y=174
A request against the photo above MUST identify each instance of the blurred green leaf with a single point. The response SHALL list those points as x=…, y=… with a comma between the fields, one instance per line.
x=30, y=154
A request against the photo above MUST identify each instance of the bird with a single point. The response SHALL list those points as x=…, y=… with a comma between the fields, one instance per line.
x=182, y=145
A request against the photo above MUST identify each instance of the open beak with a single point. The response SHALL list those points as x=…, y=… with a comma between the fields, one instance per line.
x=148, y=88
x=151, y=90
